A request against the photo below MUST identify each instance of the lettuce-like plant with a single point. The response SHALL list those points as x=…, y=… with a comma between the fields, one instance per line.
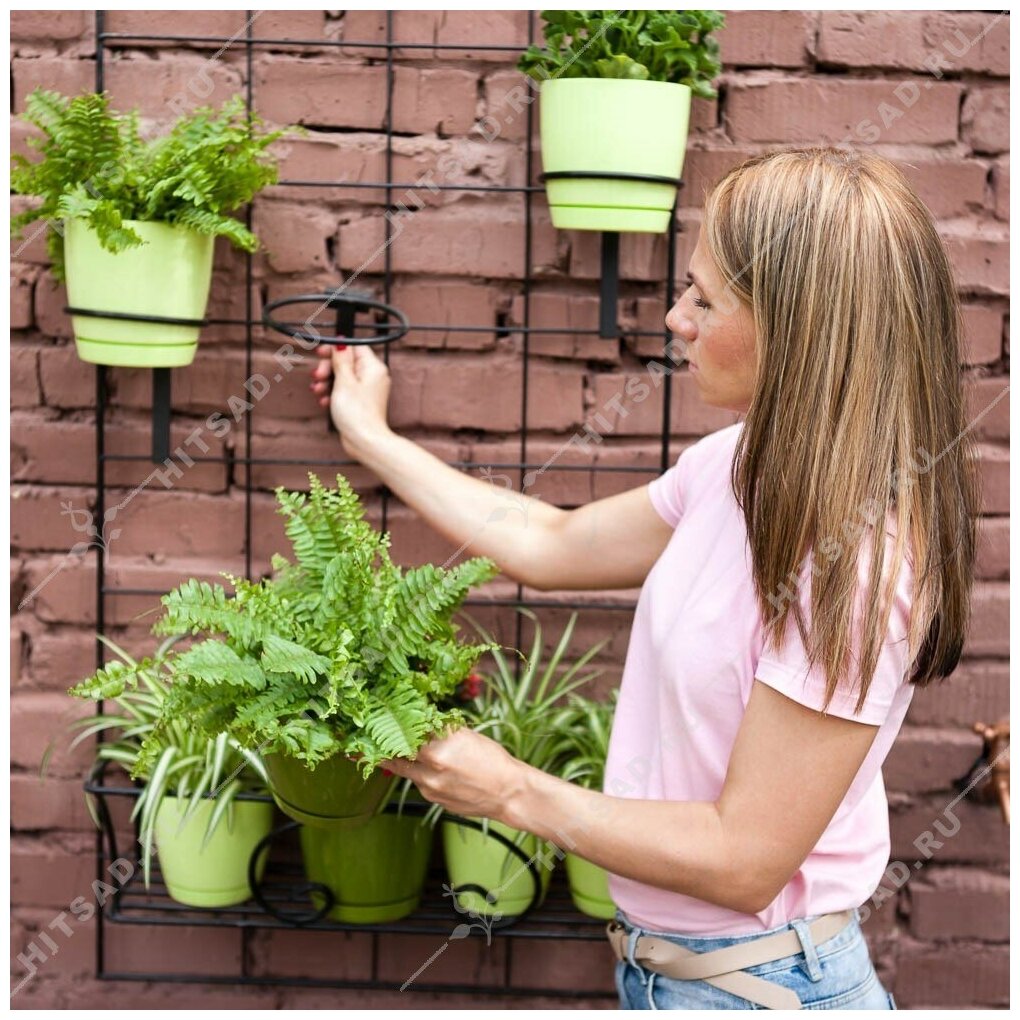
x=674, y=46
x=342, y=652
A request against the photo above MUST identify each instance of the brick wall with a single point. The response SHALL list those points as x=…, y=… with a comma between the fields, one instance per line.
x=930, y=90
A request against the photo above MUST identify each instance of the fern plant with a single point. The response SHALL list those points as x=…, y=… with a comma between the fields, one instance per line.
x=341, y=652
x=169, y=756
x=96, y=167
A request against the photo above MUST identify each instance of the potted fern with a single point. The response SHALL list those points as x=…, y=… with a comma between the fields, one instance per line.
x=199, y=805
x=340, y=661
x=134, y=221
x=526, y=715
x=616, y=89
x=583, y=747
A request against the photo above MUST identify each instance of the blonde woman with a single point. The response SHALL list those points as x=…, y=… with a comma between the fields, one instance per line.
x=773, y=654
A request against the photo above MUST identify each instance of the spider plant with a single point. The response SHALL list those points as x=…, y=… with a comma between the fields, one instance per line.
x=189, y=765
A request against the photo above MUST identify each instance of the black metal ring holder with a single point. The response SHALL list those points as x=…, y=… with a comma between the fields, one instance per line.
x=609, y=289
x=160, y=376
x=347, y=304
x=299, y=889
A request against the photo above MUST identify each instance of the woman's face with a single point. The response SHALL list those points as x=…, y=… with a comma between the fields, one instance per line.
x=718, y=330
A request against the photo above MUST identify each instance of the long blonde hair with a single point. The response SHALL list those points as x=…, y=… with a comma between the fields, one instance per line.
x=858, y=409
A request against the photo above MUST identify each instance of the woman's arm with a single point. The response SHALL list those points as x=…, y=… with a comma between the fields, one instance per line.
x=789, y=771
x=610, y=543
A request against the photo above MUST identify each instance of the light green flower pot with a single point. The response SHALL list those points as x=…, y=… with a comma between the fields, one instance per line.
x=473, y=858
x=589, y=888
x=333, y=795
x=168, y=276
x=613, y=125
x=376, y=871
x=214, y=875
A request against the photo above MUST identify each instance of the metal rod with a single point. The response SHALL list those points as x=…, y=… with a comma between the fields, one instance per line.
x=609, y=290
x=160, y=415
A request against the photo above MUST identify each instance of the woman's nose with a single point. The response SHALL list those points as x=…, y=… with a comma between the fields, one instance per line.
x=682, y=327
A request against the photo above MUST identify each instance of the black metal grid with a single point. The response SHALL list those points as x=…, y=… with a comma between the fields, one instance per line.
x=555, y=911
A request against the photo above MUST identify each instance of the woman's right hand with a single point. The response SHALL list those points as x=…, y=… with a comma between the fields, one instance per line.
x=359, y=395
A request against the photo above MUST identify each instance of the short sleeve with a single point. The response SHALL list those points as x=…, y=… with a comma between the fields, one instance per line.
x=786, y=670
x=668, y=492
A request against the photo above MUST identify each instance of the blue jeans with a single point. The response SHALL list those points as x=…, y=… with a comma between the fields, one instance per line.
x=835, y=974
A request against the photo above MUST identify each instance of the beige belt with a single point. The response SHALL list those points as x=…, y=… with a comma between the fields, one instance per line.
x=724, y=967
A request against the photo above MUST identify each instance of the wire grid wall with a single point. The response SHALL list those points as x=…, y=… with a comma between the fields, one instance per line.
x=527, y=192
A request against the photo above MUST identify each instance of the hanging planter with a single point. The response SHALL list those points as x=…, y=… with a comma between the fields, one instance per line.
x=474, y=858
x=168, y=276
x=211, y=873
x=134, y=221
x=376, y=872
x=613, y=152
x=589, y=888
x=616, y=90
x=333, y=795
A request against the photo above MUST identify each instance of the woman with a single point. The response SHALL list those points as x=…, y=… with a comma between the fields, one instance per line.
x=743, y=813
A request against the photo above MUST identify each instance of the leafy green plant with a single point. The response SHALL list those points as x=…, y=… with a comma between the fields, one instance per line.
x=584, y=743
x=96, y=167
x=167, y=755
x=341, y=652
x=673, y=46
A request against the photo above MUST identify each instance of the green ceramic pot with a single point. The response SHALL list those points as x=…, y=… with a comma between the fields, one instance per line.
x=169, y=275
x=214, y=875
x=473, y=858
x=376, y=871
x=333, y=795
x=613, y=125
x=589, y=888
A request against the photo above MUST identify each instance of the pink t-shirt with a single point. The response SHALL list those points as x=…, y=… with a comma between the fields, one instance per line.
x=696, y=647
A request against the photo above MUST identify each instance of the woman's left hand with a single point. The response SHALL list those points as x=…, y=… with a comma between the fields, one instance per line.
x=465, y=772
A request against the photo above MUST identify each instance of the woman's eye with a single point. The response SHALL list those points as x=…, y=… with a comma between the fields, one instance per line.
x=701, y=304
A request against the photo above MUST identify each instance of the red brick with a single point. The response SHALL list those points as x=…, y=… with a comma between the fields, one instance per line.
x=980, y=256
x=67, y=381
x=563, y=963
x=982, y=334
x=49, y=25
x=957, y=903
x=1000, y=182
x=450, y=303
x=406, y=26
x=17, y=652
x=767, y=38
x=320, y=92
x=75, y=955
x=51, y=873
x=465, y=962
x=508, y=98
x=493, y=28
x=770, y=109
x=948, y=187
x=41, y=720
x=440, y=101
x=50, y=317
x=952, y=977
x=550, y=310
x=176, y=950
x=928, y=760
x=22, y=282
x=64, y=452
x=969, y=833
x=48, y=804
x=449, y=392
x=294, y=236
x=993, y=548
x=985, y=119
x=994, y=479
x=44, y=518
x=886, y=39
x=17, y=582
x=57, y=654
x=645, y=456
x=223, y=24
x=59, y=74
x=965, y=41
x=30, y=245
x=169, y=88
x=464, y=239
x=353, y=158
x=642, y=256
x=975, y=692
x=988, y=407
x=705, y=166
x=988, y=633
x=25, y=376
x=345, y=956
x=303, y=25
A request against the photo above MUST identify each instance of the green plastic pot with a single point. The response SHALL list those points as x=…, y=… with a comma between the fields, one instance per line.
x=214, y=875
x=332, y=796
x=613, y=125
x=376, y=871
x=589, y=888
x=473, y=858
x=168, y=276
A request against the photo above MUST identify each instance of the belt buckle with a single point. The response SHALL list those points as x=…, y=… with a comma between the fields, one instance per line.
x=617, y=934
